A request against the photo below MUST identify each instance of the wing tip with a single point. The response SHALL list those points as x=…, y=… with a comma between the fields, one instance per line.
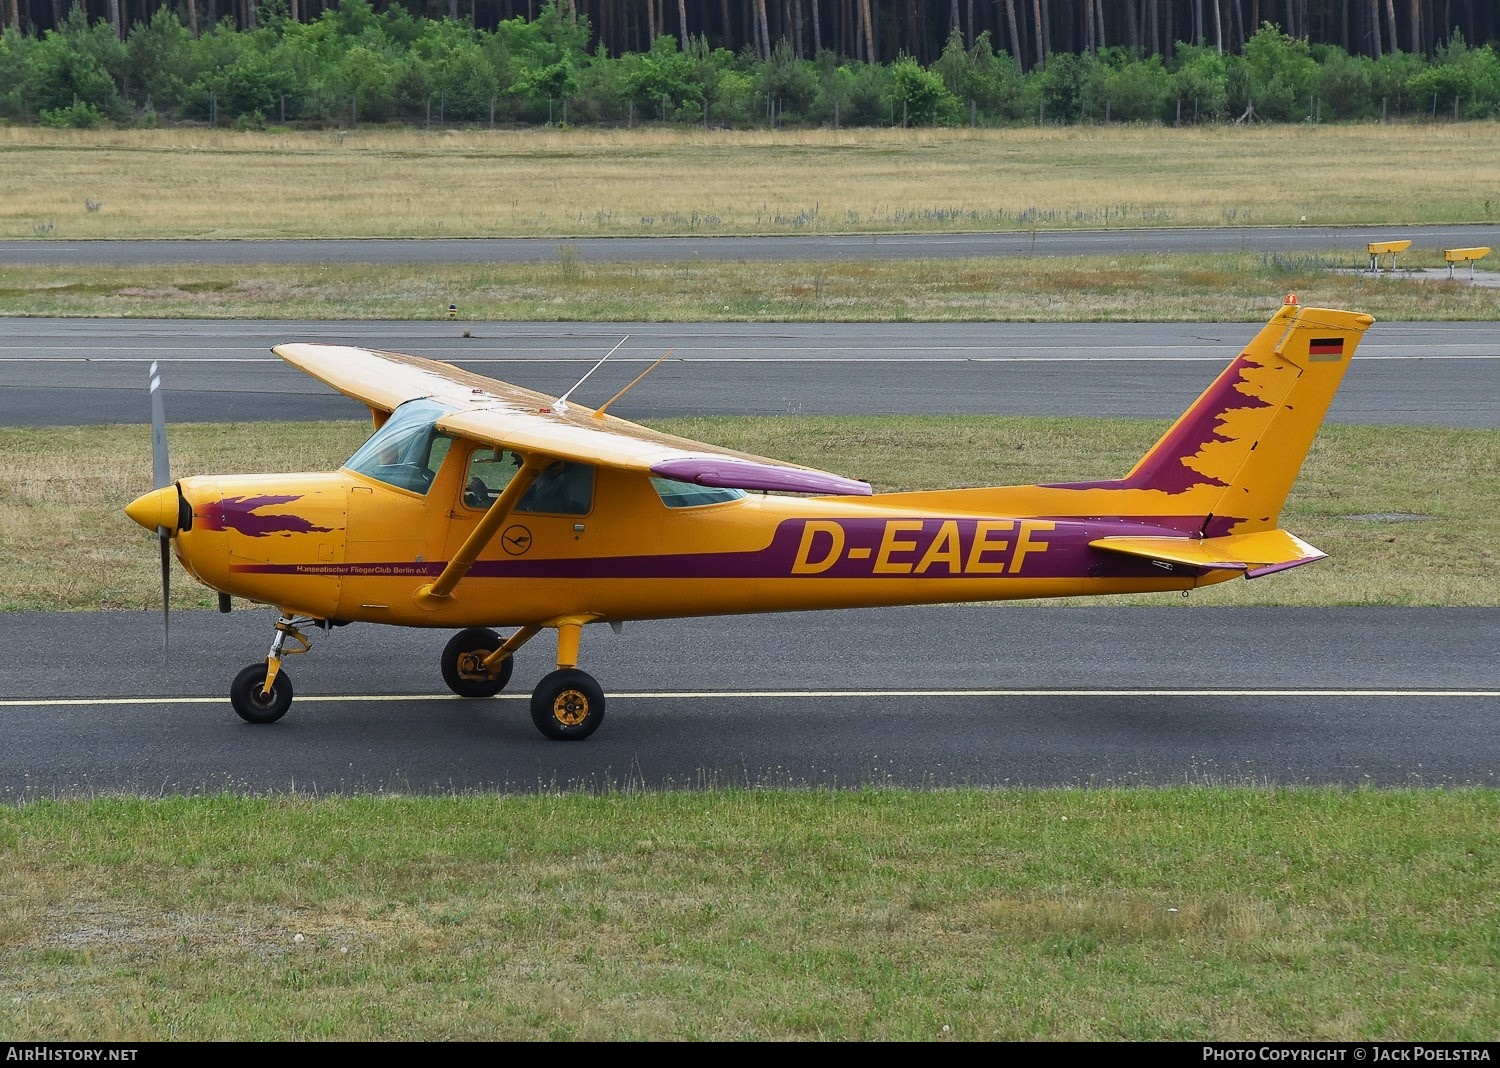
x=729, y=472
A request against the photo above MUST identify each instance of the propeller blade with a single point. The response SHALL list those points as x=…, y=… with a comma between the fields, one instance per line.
x=161, y=468
x=161, y=475
x=166, y=589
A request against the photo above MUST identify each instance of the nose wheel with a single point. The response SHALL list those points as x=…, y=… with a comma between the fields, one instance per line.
x=251, y=701
x=262, y=692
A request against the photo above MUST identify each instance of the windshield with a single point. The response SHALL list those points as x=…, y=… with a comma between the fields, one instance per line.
x=407, y=451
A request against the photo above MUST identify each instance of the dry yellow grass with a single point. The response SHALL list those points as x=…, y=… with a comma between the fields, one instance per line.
x=554, y=183
x=1227, y=287
x=66, y=544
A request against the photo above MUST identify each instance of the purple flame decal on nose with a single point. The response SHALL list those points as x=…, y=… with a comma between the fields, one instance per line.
x=238, y=513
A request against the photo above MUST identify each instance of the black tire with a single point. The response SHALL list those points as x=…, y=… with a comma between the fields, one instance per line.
x=567, y=705
x=465, y=682
x=249, y=701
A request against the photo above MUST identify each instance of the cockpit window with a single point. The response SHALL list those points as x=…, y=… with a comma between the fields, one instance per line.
x=675, y=494
x=562, y=487
x=408, y=450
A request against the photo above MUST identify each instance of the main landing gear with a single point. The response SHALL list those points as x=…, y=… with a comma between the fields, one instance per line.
x=566, y=706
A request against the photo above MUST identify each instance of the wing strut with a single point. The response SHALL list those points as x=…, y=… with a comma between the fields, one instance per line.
x=439, y=592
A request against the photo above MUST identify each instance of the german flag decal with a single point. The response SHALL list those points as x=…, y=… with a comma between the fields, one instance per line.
x=1326, y=348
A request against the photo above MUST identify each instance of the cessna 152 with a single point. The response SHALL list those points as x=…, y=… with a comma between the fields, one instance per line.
x=476, y=504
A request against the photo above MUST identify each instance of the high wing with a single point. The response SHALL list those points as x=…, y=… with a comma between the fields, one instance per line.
x=512, y=417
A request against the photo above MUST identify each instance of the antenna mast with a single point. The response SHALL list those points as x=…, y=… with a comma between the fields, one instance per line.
x=561, y=404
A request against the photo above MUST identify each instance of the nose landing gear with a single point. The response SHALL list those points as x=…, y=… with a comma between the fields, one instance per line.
x=254, y=701
x=262, y=693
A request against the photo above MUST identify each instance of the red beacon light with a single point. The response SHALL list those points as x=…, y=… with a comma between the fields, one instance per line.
x=1291, y=298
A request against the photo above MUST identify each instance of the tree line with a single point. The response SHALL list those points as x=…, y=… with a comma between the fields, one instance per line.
x=278, y=63
x=877, y=31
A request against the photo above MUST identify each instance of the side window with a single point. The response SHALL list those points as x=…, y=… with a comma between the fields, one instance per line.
x=562, y=488
x=490, y=471
x=675, y=494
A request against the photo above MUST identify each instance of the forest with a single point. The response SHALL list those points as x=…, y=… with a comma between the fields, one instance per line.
x=729, y=63
x=878, y=31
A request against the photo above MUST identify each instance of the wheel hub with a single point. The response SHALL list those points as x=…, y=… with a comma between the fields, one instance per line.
x=471, y=665
x=570, y=708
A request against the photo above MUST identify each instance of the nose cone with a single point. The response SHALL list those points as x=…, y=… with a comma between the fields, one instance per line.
x=155, y=509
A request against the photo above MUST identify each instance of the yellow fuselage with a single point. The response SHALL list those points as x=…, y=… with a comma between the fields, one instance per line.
x=341, y=546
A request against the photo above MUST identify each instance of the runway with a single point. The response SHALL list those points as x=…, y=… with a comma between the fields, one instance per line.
x=89, y=371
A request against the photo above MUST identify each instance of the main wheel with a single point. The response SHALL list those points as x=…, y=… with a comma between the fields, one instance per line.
x=247, y=695
x=567, y=705
x=463, y=663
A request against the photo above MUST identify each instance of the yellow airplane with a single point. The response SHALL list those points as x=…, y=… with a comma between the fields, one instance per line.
x=476, y=504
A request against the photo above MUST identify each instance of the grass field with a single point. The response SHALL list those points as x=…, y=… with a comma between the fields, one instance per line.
x=1228, y=287
x=556, y=184
x=1188, y=915
x=378, y=182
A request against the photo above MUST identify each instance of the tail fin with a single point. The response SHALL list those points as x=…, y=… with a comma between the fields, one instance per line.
x=1231, y=458
x=1224, y=469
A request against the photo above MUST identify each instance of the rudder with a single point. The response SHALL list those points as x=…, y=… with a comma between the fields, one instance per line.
x=1239, y=447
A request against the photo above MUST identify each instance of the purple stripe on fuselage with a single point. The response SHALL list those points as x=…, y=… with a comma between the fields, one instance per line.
x=878, y=549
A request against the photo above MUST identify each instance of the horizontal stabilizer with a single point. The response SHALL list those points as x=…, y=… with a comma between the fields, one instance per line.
x=1260, y=553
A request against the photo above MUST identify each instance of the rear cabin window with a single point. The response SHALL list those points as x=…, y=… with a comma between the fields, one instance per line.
x=675, y=494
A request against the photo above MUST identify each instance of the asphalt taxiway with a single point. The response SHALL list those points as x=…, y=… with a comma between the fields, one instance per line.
x=1009, y=695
